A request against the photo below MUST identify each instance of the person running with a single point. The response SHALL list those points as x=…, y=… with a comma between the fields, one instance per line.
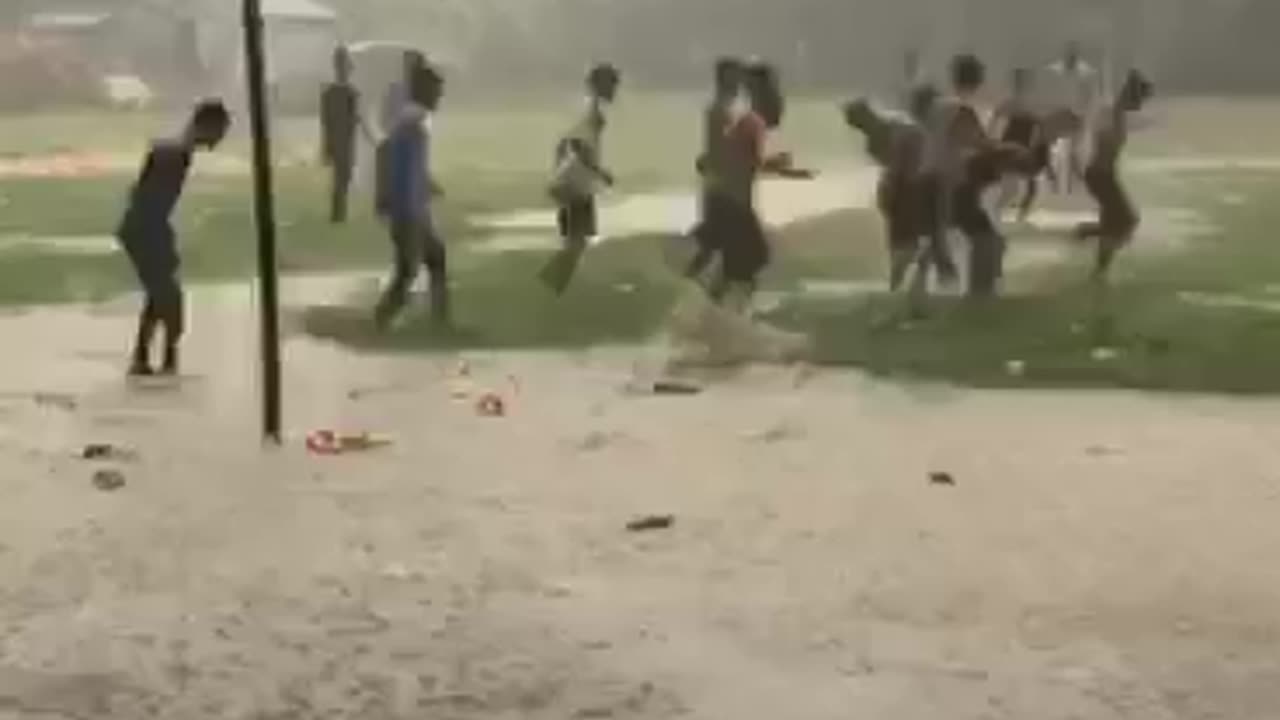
x=745, y=252
x=579, y=175
x=709, y=233
x=147, y=237
x=1118, y=219
x=1073, y=91
x=409, y=192
x=962, y=161
x=1016, y=122
x=896, y=144
x=340, y=118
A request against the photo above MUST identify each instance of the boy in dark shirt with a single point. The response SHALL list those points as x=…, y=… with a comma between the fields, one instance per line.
x=1117, y=217
x=340, y=117
x=1016, y=122
x=148, y=238
x=896, y=145
x=965, y=161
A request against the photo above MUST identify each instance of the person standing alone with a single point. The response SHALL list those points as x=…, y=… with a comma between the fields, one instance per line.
x=340, y=117
x=148, y=238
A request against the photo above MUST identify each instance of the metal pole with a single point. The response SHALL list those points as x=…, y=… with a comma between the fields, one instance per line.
x=264, y=211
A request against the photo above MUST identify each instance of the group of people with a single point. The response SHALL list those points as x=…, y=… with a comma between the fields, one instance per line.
x=939, y=158
x=941, y=155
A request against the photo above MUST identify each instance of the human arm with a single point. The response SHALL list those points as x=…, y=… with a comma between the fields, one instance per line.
x=589, y=159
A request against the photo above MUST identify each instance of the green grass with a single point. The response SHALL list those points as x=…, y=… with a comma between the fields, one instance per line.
x=490, y=158
x=1160, y=341
x=494, y=158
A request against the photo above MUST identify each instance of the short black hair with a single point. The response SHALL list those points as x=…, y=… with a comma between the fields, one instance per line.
x=211, y=113
x=922, y=100
x=766, y=92
x=1137, y=87
x=423, y=81
x=604, y=73
x=728, y=71
x=968, y=72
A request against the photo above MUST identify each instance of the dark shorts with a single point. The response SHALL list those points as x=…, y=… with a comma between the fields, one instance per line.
x=745, y=247
x=153, y=254
x=1117, y=217
x=576, y=218
x=968, y=213
x=906, y=215
x=714, y=229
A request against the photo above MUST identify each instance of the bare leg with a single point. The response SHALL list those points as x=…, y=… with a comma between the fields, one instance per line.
x=148, y=320
x=559, y=270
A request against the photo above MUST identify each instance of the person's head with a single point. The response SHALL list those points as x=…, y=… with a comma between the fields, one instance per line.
x=1135, y=92
x=426, y=87
x=765, y=91
x=728, y=76
x=342, y=64
x=923, y=100
x=209, y=124
x=968, y=74
x=1071, y=54
x=414, y=62
x=603, y=81
x=859, y=114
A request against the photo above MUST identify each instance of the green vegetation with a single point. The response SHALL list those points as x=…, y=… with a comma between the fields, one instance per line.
x=1198, y=318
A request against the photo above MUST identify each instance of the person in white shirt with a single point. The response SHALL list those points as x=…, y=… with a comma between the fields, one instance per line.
x=579, y=176
x=1073, y=88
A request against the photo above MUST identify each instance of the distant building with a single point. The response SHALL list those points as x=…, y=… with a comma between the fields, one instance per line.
x=192, y=48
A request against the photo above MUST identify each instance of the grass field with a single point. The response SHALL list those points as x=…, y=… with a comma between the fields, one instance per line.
x=493, y=158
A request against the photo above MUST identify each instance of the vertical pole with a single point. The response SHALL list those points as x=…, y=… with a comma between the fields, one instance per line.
x=264, y=212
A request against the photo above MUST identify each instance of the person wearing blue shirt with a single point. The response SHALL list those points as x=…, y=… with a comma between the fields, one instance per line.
x=408, y=193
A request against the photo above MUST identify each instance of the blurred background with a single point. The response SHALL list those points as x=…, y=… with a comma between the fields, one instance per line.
x=138, y=52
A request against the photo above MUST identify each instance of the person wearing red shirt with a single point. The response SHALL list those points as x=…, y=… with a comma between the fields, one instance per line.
x=745, y=252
